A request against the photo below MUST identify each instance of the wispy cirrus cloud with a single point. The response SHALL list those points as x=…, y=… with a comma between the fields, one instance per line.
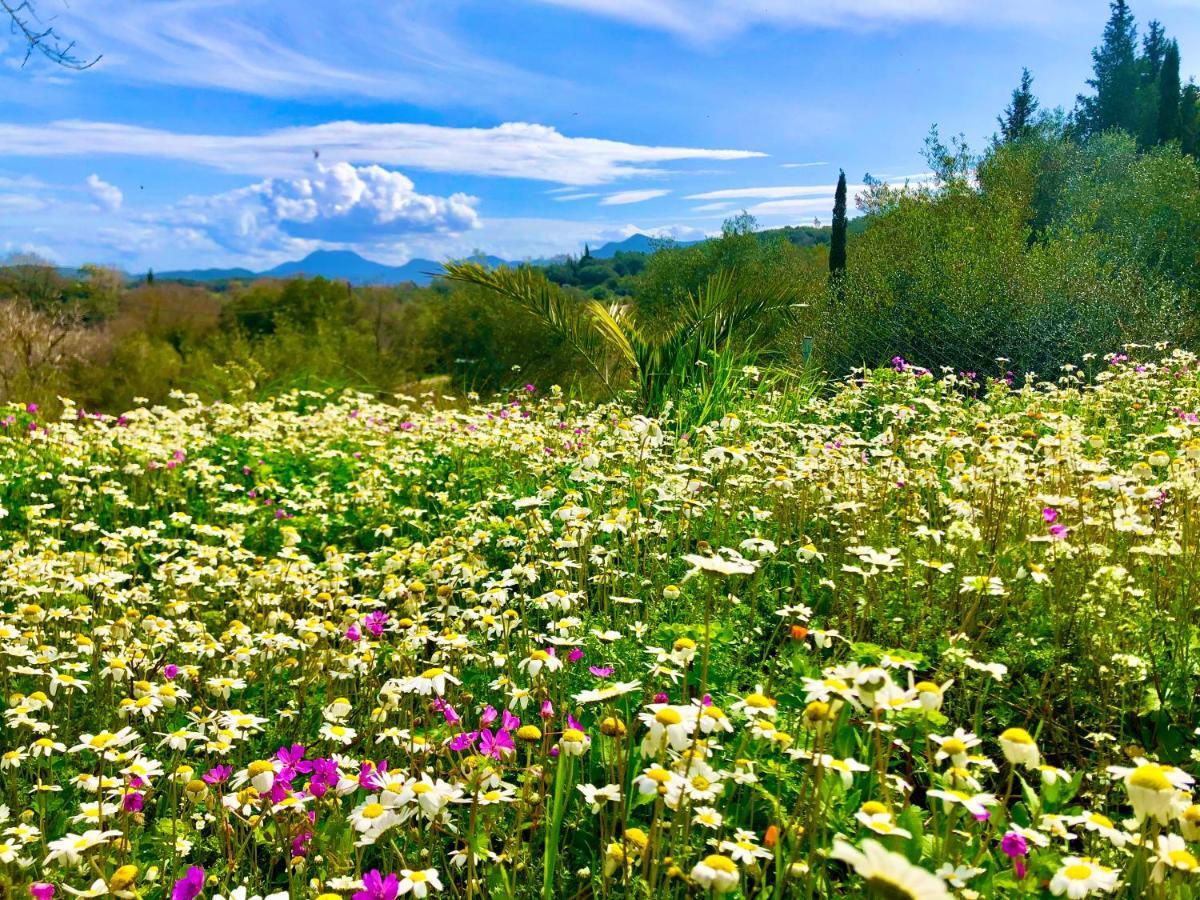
x=513, y=149
x=272, y=48
x=621, y=198
x=711, y=21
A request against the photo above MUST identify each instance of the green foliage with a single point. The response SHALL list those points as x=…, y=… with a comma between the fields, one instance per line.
x=716, y=329
x=1053, y=250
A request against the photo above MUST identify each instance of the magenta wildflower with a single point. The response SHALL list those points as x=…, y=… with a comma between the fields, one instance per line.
x=40, y=890
x=1015, y=847
x=1049, y=514
x=217, y=775
x=190, y=885
x=377, y=886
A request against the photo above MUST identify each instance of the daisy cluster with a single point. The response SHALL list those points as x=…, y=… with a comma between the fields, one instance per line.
x=926, y=636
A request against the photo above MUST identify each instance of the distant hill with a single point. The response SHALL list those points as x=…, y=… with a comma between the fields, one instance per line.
x=336, y=265
x=346, y=265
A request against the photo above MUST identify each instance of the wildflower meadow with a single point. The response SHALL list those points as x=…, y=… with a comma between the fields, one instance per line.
x=922, y=635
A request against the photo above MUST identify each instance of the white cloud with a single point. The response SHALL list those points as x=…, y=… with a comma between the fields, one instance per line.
x=785, y=191
x=709, y=21
x=275, y=48
x=807, y=165
x=106, y=196
x=351, y=200
x=566, y=198
x=621, y=198
x=339, y=203
x=514, y=149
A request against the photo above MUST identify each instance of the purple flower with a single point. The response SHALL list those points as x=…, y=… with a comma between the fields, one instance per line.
x=601, y=671
x=662, y=697
x=378, y=887
x=353, y=633
x=575, y=655
x=509, y=722
x=170, y=670
x=1058, y=532
x=495, y=745
x=547, y=710
x=375, y=622
x=489, y=716
x=217, y=775
x=39, y=890
x=300, y=843
x=132, y=802
x=464, y=741
x=190, y=885
x=1049, y=514
x=1015, y=848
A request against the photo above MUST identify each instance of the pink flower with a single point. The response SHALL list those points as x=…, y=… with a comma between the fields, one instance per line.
x=601, y=671
x=547, y=710
x=575, y=655
x=1058, y=532
x=1049, y=514
x=190, y=885
x=40, y=890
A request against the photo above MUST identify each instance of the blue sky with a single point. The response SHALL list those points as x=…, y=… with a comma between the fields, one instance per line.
x=248, y=132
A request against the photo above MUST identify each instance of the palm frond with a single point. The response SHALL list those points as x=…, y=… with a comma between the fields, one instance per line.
x=593, y=331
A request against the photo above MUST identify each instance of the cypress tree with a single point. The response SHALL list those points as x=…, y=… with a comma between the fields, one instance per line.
x=1018, y=115
x=837, y=237
x=1168, y=95
x=1189, y=119
x=1115, y=79
x=1154, y=51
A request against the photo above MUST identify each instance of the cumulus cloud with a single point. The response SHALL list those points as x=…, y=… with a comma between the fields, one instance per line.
x=513, y=149
x=106, y=196
x=621, y=198
x=339, y=203
x=350, y=201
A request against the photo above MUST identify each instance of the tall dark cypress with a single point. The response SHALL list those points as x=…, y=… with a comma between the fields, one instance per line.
x=1018, y=115
x=1115, y=77
x=1189, y=119
x=1168, y=95
x=837, y=238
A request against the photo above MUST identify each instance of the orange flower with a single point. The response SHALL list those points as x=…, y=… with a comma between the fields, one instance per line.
x=772, y=835
x=799, y=632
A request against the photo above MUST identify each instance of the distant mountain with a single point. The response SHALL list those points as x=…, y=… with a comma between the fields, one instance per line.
x=346, y=265
x=204, y=275
x=635, y=243
x=337, y=265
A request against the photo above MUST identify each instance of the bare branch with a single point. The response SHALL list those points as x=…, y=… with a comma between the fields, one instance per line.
x=24, y=21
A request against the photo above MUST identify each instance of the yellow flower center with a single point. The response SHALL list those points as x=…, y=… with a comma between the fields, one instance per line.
x=373, y=811
x=1017, y=736
x=759, y=701
x=1181, y=859
x=1151, y=777
x=719, y=863
x=1078, y=872
x=954, y=747
x=668, y=716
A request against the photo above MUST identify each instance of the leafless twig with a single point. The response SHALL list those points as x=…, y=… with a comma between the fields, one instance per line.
x=42, y=39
